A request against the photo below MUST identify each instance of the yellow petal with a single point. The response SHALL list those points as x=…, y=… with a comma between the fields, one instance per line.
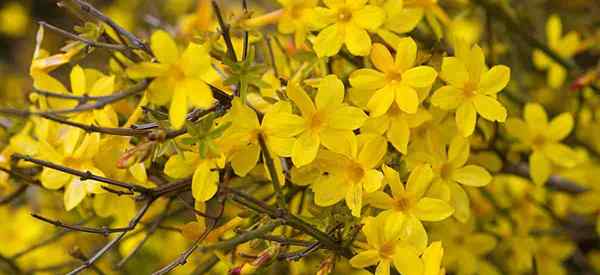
x=365, y=258
x=383, y=268
x=460, y=202
x=160, y=90
x=556, y=76
x=330, y=92
x=472, y=175
x=399, y=135
x=419, y=180
x=78, y=84
x=283, y=124
x=407, y=98
x=346, y=118
x=179, y=107
x=204, y=182
x=535, y=116
x=138, y=171
x=475, y=63
x=466, y=116
x=489, y=108
x=305, y=149
x=432, y=259
x=373, y=151
x=195, y=60
x=432, y=210
x=329, y=41
x=517, y=128
x=447, y=97
x=357, y=40
x=381, y=101
x=406, y=53
x=369, y=17
x=301, y=99
x=419, y=77
x=54, y=179
x=381, y=57
x=199, y=93
x=540, y=168
x=553, y=30
x=372, y=180
x=454, y=72
x=103, y=86
x=367, y=79
x=392, y=178
x=179, y=167
x=339, y=141
x=406, y=260
x=354, y=198
x=560, y=127
x=561, y=155
x=403, y=20
x=380, y=200
x=458, y=151
x=541, y=60
x=329, y=190
x=164, y=47
x=74, y=194
x=147, y=69
x=494, y=80
x=245, y=160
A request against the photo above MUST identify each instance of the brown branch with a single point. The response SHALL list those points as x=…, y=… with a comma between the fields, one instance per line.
x=132, y=224
x=102, y=231
x=92, y=11
x=86, y=41
x=555, y=182
x=271, y=167
x=87, y=175
x=225, y=32
x=99, y=104
x=14, y=195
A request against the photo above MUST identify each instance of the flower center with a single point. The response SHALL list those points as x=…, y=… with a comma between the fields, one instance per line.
x=446, y=171
x=177, y=72
x=394, y=76
x=404, y=203
x=538, y=142
x=355, y=172
x=344, y=15
x=470, y=89
x=317, y=121
x=387, y=250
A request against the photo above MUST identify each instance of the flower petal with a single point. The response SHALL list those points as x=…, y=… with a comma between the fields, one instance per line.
x=454, y=72
x=357, y=40
x=367, y=79
x=329, y=41
x=466, y=117
x=494, y=80
x=365, y=258
x=204, y=182
x=406, y=98
x=540, y=168
x=369, y=17
x=330, y=92
x=407, y=261
x=381, y=101
x=329, y=190
x=489, y=108
x=354, y=198
x=432, y=210
x=560, y=127
x=164, y=47
x=419, y=77
x=406, y=53
x=305, y=149
x=460, y=202
x=447, y=97
x=399, y=134
x=382, y=58
x=472, y=175
x=179, y=106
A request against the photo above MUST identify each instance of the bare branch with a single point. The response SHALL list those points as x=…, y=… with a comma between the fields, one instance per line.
x=103, y=231
x=86, y=41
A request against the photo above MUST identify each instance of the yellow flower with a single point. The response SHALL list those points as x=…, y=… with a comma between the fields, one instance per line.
x=205, y=177
x=543, y=138
x=467, y=248
x=566, y=47
x=396, y=80
x=349, y=173
x=409, y=204
x=178, y=78
x=298, y=17
x=347, y=23
x=77, y=153
x=396, y=126
x=14, y=19
x=550, y=254
x=240, y=142
x=385, y=247
x=328, y=121
x=450, y=170
x=472, y=88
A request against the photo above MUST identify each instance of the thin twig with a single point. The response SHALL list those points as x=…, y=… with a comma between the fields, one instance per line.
x=225, y=32
x=271, y=166
x=87, y=175
x=86, y=41
x=106, y=231
x=99, y=104
x=132, y=224
x=554, y=182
